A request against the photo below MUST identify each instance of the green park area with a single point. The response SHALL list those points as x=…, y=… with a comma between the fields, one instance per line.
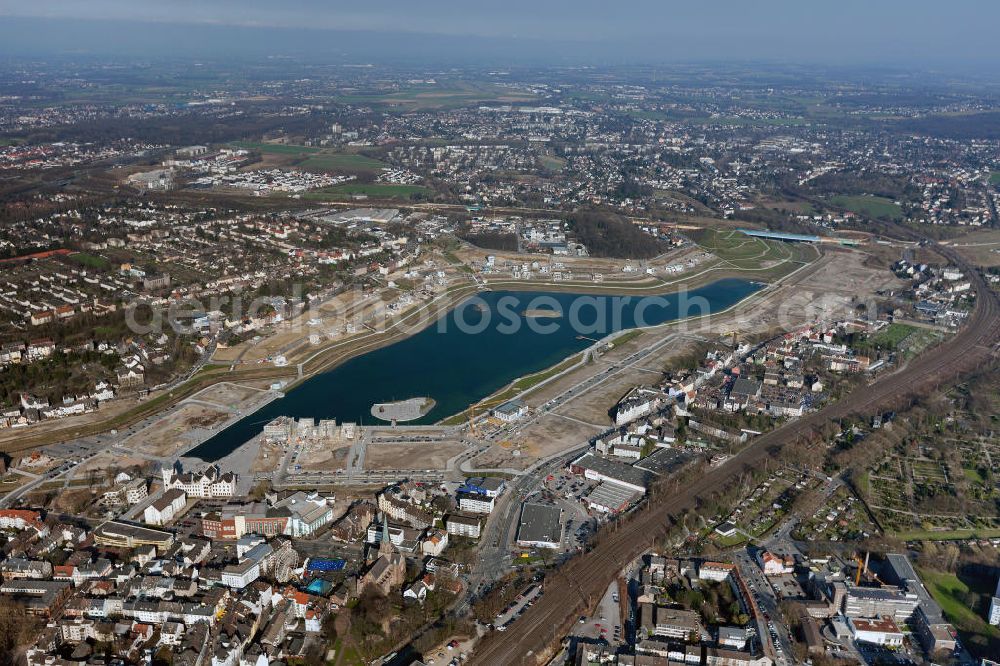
x=744, y=252
x=964, y=607
x=90, y=260
x=892, y=335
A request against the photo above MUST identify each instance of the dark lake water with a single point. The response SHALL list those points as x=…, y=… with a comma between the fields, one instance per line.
x=476, y=349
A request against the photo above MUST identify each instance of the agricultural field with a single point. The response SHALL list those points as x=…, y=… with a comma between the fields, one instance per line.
x=374, y=190
x=431, y=97
x=340, y=162
x=278, y=148
x=869, y=206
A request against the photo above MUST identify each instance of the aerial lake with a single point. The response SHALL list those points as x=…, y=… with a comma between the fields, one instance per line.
x=473, y=351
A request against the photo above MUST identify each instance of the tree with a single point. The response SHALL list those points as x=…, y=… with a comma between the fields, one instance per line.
x=17, y=629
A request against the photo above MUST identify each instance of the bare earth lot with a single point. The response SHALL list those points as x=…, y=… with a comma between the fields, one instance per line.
x=227, y=394
x=324, y=456
x=415, y=455
x=981, y=247
x=173, y=432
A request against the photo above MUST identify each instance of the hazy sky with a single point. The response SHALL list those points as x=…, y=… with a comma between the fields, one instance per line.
x=893, y=32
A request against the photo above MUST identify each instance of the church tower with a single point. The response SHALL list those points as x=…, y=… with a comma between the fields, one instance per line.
x=385, y=547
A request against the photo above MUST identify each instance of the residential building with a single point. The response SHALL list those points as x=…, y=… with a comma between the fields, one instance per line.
x=163, y=509
x=467, y=526
x=475, y=503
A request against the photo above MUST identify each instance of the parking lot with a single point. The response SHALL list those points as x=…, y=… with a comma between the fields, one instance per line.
x=605, y=623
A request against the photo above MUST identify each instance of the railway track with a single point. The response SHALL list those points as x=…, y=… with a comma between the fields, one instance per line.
x=574, y=588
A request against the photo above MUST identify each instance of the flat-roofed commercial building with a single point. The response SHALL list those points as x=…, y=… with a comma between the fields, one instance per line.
x=540, y=526
x=610, y=497
x=878, y=631
x=125, y=535
x=601, y=469
x=878, y=602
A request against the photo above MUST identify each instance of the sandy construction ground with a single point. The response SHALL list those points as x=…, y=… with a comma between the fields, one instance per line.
x=176, y=430
x=228, y=394
x=469, y=254
x=324, y=455
x=292, y=336
x=11, y=482
x=114, y=459
x=416, y=455
x=268, y=457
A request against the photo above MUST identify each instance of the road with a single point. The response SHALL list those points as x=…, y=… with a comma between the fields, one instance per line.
x=576, y=586
x=773, y=634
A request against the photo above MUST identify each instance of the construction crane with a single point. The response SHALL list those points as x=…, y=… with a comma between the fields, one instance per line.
x=862, y=568
x=471, y=412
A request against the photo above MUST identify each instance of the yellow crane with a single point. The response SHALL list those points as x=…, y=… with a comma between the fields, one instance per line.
x=471, y=412
x=862, y=568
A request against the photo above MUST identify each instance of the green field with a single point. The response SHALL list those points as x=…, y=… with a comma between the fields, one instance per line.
x=892, y=335
x=375, y=190
x=528, y=381
x=552, y=163
x=869, y=206
x=948, y=535
x=953, y=595
x=341, y=162
x=278, y=148
x=425, y=97
x=751, y=254
x=91, y=260
x=995, y=178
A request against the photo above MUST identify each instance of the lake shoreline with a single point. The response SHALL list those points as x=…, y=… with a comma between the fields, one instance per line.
x=555, y=349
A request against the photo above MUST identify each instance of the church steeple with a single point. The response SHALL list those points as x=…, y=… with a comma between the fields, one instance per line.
x=385, y=548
